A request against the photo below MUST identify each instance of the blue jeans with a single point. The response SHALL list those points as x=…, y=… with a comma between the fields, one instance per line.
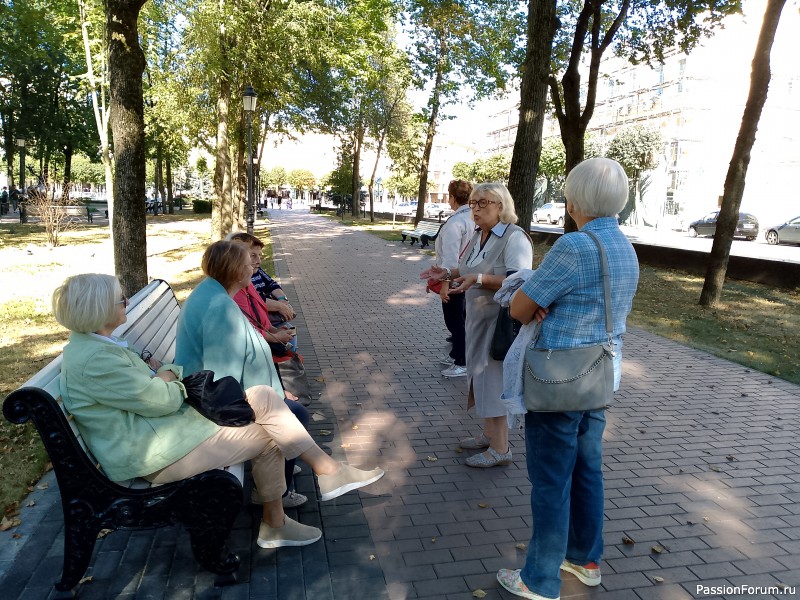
x=565, y=456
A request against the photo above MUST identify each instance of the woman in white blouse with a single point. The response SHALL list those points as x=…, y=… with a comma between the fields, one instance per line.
x=497, y=249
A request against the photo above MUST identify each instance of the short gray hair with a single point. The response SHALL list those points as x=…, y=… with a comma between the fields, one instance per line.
x=597, y=187
x=499, y=193
x=87, y=302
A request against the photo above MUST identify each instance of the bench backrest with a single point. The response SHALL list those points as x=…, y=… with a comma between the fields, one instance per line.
x=428, y=227
x=152, y=320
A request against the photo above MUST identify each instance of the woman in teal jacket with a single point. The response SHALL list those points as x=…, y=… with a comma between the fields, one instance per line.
x=134, y=420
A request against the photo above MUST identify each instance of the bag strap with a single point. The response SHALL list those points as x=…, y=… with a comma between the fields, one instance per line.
x=606, y=286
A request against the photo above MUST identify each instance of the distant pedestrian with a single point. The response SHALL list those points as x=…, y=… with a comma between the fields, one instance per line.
x=4, y=201
x=279, y=203
x=14, y=194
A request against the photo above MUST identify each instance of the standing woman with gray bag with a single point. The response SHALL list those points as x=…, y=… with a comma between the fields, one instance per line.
x=564, y=448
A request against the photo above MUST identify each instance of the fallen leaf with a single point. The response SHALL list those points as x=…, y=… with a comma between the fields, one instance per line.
x=458, y=450
x=42, y=486
x=431, y=459
x=706, y=519
x=31, y=503
x=320, y=379
x=658, y=579
x=521, y=546
x=103, y=533
x=6, y=523
x=345, y=446
x=657, y=549
x=690, y=522
x=359, y=404
x=87, y=579
x=483, y=505
x=372, y=557
x=433, y=540
x=730, y=457
x=355, y=427
x=16, y=536
x=479, y=593
x=627, y=540
x=716, y=469
x=317, y=417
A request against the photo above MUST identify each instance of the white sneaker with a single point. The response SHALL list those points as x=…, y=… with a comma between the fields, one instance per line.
x=447, y=361
x=291, y=534
x=293, y=500
x=455, y=371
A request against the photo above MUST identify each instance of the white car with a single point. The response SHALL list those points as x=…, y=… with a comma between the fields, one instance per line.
x=552, y=213
x=433, y=209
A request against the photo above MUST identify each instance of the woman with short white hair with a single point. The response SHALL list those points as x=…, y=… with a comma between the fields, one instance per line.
x=134, y=419
x=497, y=249
x=564, y=449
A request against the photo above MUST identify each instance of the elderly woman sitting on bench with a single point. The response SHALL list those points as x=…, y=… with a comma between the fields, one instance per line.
x=133, y=417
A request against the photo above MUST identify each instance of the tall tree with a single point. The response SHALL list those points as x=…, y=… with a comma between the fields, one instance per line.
x=540, y=32
x=641, y=30
x=737, y=171
x=460, y=50
x=125, y=67
x=637, y=149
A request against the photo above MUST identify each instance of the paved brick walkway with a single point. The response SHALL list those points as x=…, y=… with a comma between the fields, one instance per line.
x=702, y=463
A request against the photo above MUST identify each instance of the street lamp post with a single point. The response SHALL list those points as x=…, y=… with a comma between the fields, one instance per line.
x=23, y=217
x=249, y=101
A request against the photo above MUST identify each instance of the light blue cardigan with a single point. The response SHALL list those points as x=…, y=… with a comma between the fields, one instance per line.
x=213, y=334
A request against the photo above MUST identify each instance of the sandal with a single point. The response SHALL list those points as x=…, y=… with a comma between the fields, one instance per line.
x=474, y=443
x=490, y=458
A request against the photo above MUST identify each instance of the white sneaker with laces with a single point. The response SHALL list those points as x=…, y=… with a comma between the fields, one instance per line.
x=455, y=371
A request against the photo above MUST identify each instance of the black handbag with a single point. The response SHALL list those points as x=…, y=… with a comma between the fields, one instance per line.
x=222, y=401
x=505, y=331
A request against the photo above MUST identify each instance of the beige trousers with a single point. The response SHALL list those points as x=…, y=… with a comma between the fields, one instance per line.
x=276, y=435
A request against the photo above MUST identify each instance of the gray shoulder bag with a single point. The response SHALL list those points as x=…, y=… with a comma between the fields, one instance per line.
x=573, y=379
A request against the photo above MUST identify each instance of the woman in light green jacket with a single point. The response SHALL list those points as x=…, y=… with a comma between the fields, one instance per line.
x=133, y=417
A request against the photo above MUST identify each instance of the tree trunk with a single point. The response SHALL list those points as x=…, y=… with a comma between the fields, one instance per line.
x=542, y=25
x=358, y=142
x=432, y=122
x=160, y=177
x=372, y=178
x=125, y=66
x=170, y=201
x=67, y=185
x=737, y=170
x=221, y=209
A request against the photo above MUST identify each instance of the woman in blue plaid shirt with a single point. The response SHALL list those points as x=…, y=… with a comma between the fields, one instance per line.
x=564, y=450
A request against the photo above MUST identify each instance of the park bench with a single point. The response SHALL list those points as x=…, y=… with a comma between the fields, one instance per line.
x=425, y=232
x=205, y=504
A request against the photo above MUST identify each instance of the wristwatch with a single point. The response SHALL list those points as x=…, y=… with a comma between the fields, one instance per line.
x=447, y=274
x=479, y=281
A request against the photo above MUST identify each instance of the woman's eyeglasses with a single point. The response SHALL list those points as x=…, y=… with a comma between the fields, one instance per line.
x=480, y=203
x=124, y=301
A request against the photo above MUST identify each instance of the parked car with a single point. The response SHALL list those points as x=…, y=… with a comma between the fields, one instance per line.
x=406, y=208
x=432, y=209
x=552, y=212
x=787, y=232
x=746, y=227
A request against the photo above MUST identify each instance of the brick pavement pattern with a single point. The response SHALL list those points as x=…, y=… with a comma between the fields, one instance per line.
x=702, y=464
